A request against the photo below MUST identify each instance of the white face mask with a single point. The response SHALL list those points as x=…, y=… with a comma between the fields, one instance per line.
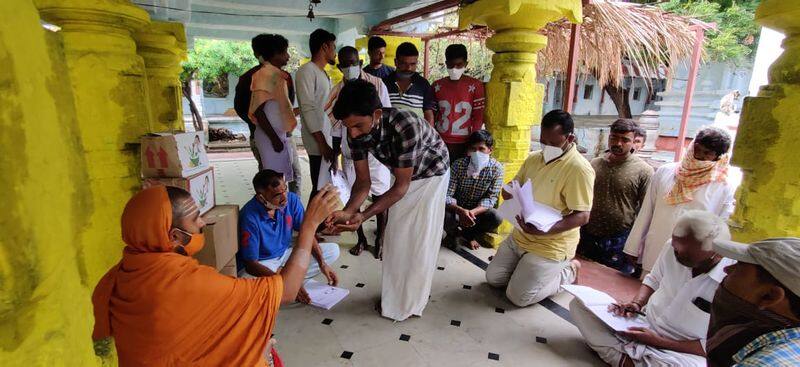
x=477, y=161
x=550, y=152
x=351, y=72
x=455, y=74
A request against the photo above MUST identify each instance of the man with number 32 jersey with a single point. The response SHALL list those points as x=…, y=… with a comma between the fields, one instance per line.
x=460, y=101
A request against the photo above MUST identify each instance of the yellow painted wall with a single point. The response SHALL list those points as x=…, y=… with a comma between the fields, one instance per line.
x=45, y=309
x=391, y=46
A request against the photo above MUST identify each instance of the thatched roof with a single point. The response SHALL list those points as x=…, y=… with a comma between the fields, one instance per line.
x=615, y=34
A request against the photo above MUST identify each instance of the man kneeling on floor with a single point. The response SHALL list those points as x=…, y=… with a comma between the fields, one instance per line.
x=675, y=297
x=475, y=183
x=266, y=223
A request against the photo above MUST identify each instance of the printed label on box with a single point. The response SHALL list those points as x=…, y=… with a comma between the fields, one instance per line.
x=173, y=155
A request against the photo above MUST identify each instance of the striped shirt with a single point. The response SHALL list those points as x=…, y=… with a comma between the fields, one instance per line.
x=403, y=140
x=417, y=98
x=775, y=349
x=470, y=192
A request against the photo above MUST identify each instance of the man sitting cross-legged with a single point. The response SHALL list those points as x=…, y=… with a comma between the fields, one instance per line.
x=266, y=223
x=475, y=183
x=675, y=297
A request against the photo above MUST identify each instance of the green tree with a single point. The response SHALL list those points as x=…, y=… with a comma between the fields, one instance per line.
x=736, y=35
x=480, y=57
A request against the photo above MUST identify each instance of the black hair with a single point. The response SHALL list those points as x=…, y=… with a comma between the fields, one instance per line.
x=406, y=49
x=267, y=179
x=318, y=38
x=357, y=97
x=481, y=136
x=346, y=51
x=257, y=43
x=177, y=196
x=794, y=299
x=640, y=131
x=272, y=45
x=375, y=42
x=455, y=51
x=714, y=139
x=559, y=118
x=624, y=126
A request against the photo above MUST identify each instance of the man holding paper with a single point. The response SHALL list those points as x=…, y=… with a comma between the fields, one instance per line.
x=675, y=299
x=532, y=263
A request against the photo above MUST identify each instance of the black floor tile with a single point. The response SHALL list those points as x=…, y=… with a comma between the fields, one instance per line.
x=440, y=267
x=494, y=356
x=467, y=286
x=327, y=321
x=346, y=355
x=455, y=323
x=360, y=285
x=542, y=340
x=405, y=337
x=344, y=266
x=499, y=310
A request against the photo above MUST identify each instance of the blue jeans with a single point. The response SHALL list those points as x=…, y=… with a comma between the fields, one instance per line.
x=607, y=251
x=330, y=252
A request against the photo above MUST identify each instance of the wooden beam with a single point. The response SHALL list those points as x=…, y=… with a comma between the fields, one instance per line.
x=699, y=34
x=442, y=5
x=572, y=69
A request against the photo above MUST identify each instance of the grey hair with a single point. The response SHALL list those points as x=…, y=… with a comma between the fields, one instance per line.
x=703, y=226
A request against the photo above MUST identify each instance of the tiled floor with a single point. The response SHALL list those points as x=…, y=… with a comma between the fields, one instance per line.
x=466, y=323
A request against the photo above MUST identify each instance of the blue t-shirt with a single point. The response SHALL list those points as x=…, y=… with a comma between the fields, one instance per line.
x=381, y=72
x=262, y=237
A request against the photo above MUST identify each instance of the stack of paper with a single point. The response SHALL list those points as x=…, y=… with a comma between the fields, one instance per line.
x=340, y=183
x=597, y=302
x=323, y=295
x=522, y=203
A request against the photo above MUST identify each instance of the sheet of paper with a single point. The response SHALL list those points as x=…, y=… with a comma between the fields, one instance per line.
x=597, y=302
x=523, y=203
x=323, y=295
x=509, y=210
x=340, y=182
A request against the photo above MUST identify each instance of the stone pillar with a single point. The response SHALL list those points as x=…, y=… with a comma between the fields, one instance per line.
x=111, y=103
x=162, y=45
x=513, y=98
x=391, y=47
x=768, y=201
x=45, y=301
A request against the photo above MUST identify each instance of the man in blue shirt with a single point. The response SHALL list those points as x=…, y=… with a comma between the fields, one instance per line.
x=376, y=48
x=266, y=223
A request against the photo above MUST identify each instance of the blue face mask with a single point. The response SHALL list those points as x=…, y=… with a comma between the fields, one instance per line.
x=404, y=74
x=366, y=139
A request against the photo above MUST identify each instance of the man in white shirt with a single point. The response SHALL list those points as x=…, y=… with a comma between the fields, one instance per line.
x=698, y=181
x=676, y=298
x=313, y=87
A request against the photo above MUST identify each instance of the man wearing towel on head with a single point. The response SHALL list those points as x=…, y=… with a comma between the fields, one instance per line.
x=418, y=158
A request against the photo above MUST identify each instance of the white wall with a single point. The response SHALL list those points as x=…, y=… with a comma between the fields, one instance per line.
x=592, y=106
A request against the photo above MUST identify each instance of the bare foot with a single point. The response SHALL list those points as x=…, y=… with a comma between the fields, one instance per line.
x=474, y=245
x=576, y=268
x=358, y=248
x=377, y=250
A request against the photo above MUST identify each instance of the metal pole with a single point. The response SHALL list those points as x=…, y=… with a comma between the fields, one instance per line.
x=572, y=69
x=699, y=33
x=425, y=59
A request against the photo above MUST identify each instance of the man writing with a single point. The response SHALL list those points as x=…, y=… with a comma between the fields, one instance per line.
x=313, y=88
x=675, y=297
x=415, y=153
x=755, y=315
x=620, y=184
x=533, y=264
x=266, y=223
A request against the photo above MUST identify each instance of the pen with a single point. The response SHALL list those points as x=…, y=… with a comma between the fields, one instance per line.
x=627, y=309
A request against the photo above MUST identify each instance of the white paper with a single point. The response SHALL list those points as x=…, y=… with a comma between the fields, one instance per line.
x=323, y=295
x=597, y=302
x=522, y=203
x=340, y=183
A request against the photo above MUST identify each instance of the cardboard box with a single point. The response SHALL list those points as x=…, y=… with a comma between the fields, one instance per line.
x=222, y=237
x=173, y=155
x=200, y=185
x=229, y=269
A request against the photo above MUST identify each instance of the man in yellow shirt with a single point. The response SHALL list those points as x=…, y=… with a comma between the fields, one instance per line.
x=530, y=263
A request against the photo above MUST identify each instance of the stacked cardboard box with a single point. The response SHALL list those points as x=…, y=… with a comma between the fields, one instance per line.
x=179, y=159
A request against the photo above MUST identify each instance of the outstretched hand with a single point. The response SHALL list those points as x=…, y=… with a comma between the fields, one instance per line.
x=322, y=205
x=341, y=221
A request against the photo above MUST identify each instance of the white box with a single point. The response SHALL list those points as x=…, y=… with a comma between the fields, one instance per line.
x=200, y=185
x=173, y=155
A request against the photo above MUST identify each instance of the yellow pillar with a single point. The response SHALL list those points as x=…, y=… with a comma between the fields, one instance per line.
x=111, y=103
x=162, y=45
x=768, y=201
x=513, y=98
x=45, y=309
x=391, y=47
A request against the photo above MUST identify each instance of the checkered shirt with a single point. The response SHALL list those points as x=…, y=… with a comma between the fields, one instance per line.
x=775, y=349
x=469, y=192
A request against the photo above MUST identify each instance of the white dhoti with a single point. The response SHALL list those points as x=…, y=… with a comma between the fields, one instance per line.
x=612, y=348
x=410, y=247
